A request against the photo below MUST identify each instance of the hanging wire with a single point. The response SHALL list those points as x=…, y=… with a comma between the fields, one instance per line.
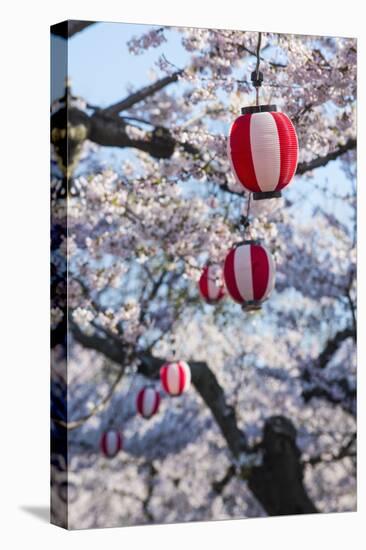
x=183, y=75
x=248, y=83
x=258, y=74
x=247, y=222
x=173, y=345
x=258, y=53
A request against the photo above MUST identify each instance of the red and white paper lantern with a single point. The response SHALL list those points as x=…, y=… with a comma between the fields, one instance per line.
x=249, y=273
x=263, y=150
x=111, y=443
x=147, y=402
x=175, y=377
x=211, y=285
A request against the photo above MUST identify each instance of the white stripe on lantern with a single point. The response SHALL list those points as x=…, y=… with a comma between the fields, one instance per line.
x=148, y=402
x=266, y=152
x=213, y=288
x=173, y=378
x=243, y=271
x=187, y=372
x=271, y=274
x=111, y=442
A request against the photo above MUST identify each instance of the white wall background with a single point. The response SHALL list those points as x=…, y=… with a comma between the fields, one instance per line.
x=24, y=243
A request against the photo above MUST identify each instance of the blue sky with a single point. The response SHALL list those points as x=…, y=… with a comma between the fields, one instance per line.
x=101, y=67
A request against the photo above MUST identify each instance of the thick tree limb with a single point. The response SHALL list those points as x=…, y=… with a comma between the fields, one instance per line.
x=111, y=131
x=346, y=399
x=317, y=162
x=333, y=345
x=142, y=94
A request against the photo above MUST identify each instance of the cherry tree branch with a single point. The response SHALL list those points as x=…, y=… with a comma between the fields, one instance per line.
x=347, y=450
x=317, y=162
x=142, y=94
x=333, y=345
x=99, y=344
x=337, y=392
x=111, y=131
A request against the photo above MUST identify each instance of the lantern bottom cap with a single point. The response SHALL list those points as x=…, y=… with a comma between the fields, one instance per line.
x=252, y=305
x=258, y=196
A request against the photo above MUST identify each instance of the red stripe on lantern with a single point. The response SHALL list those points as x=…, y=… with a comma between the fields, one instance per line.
x=240, y=153
x=289, y=149
x=103, y=446
x=140, y=401
x=203, y=284
x=229, y=276
x=119, y=442
x=164, y=377
x=157, y=403
x=260, y=270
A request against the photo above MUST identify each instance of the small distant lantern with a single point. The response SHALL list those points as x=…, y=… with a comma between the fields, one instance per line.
x=111, y=443
x=147, y=402
x=175, y=377
x=211, y=285
x=249, y=274
x=263, y=150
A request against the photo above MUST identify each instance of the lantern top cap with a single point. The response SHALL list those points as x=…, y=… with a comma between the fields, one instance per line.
x=249, y=241
x=258, y=109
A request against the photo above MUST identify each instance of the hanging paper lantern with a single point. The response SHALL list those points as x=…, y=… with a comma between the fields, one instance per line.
x=111, y=443
x=249, y=273
x=147, y=402
x=211, y=285
x=175, y=377
x=263, y=150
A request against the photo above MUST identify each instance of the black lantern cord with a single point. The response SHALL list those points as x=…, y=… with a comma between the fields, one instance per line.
x=257, y=79
x=257, y=75
x=258, y=53
x=173, y=345
x=244, y=221
x=247, y=225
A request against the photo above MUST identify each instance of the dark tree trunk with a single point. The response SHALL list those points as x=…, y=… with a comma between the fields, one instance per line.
x=278, y=482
